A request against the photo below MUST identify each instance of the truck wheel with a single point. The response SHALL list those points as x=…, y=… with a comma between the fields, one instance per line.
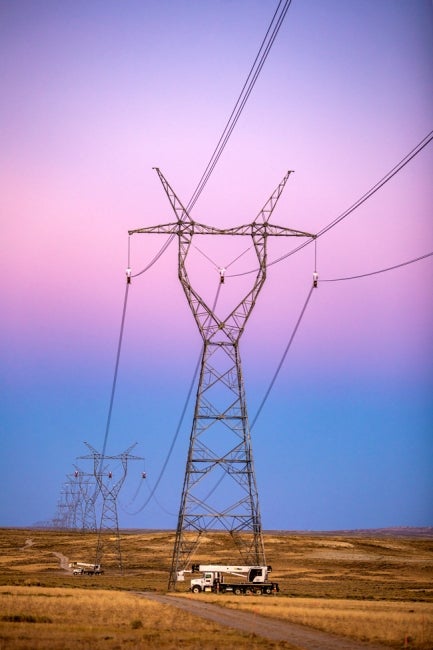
x=237, y=591
x=258, y=592
x=248, y=591
x=268, y=590
x=196, y=589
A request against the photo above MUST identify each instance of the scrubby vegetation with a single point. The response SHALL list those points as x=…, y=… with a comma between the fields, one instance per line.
x=369, y=586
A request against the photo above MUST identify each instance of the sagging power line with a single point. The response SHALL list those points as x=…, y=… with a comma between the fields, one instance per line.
x=377, y=186
x=259, y=61
x=377, y=272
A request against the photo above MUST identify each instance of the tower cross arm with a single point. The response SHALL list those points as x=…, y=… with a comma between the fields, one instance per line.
x=253, y=229
x=164, y=228
x=131, y=457
x=195, y=228
x=270, y=229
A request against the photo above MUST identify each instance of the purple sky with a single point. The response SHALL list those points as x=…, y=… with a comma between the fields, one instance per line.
x=95, y=94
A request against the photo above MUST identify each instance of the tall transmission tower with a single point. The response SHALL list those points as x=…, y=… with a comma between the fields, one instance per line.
x=219, y=489
x=109, y=486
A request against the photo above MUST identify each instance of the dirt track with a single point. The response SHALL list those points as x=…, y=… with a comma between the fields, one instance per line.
x=64, y=561
x=299, y=636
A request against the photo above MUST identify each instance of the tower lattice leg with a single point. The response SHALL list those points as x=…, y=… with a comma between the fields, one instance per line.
x=220, y=491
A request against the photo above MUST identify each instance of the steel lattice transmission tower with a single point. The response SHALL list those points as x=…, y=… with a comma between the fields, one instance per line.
x=109, y=487
x=68, y=505
x=219, y=490
x=89, y=490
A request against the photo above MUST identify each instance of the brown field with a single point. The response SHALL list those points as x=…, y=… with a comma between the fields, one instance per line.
x=370, y=586
x=57, y=618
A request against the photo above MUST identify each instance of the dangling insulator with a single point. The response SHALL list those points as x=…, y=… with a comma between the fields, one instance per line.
x=315, y=278
x=222, y=273
x=76, y=473
x=110, y=474
x=143, y=474
x=128, y=275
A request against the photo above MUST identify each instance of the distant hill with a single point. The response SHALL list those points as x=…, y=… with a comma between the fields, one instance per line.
x=391, y=531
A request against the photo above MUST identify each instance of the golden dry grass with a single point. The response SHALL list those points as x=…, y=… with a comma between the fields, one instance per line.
x=393, y=623
x=369, y=586
x=57, y=619
x=352, y=566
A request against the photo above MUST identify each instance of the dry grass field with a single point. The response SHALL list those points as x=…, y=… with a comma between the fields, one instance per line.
x=57, y=618
x=397, y=624
x=371, y=586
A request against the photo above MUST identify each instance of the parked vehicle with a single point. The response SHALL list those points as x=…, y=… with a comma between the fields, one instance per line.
x=84, y=568
x=235, y=579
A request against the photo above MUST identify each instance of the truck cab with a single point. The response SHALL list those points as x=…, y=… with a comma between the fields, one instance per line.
x=257, y=574
x=206, y=582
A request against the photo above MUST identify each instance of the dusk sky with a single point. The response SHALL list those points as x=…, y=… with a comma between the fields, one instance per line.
x=95, y=93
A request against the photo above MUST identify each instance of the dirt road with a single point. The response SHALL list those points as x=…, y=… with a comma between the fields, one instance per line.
x=302, y=637
x=64, y=561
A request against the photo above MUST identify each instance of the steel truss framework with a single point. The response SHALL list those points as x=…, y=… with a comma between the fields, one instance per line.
x=68, y=505
x=219, y=490
x=109, y=488
x=88, y=489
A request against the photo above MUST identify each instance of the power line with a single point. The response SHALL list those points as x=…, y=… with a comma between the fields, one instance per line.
x=179, y=424
x=274, y=378
x=157, y=256
x=288, y=346
x=259, y=61
x=243, y=97
x=389, y=268
x=403, y=162
x=248, y=86
x=256, y=68
x=397, y=168
x=173, y=442
x=116, y=369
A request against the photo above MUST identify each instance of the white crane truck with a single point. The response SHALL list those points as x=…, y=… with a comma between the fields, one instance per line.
x=242, y=580
x=84, y=568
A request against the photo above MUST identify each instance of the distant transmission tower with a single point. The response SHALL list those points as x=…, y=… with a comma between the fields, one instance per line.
x=109, y=487
x=65, y=515
x=88, y=489
x=220, y=444
x=67, y=507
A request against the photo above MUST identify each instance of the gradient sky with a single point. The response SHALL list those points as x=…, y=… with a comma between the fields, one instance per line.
x=96, y=93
